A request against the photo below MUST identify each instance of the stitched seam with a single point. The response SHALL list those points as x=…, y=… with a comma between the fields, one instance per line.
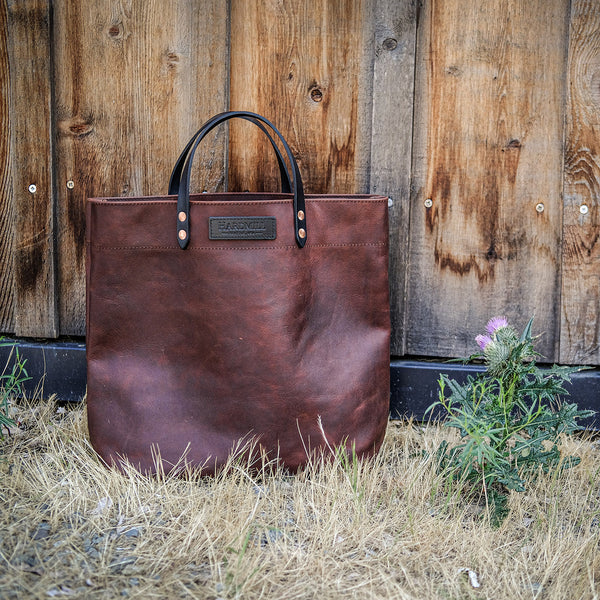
x=283, y=202
x=174, y=248
x=120, y=203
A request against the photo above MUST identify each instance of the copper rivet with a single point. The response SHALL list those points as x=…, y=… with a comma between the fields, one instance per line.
x=301, y=215
x=301, y=233
x=182, y=235
x=181, y=216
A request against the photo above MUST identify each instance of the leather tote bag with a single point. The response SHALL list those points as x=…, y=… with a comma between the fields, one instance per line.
x=250, y=321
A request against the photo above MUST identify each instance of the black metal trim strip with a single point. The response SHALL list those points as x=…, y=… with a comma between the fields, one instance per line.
x=414, y=387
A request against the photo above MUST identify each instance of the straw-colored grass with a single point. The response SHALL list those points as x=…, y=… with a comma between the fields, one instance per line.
x=69, y=527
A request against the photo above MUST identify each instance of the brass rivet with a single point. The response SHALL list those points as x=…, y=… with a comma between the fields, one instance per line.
x=182, y=235
x=181, y=216
x=301, y=233
x=301, y=215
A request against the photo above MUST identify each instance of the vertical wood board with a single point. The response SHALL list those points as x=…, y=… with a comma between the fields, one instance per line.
x=306, y=66
x=391, y=140
x=488, y=151
x=29, y=28
x=6, y=203
x=134, y=81
x=580, y=323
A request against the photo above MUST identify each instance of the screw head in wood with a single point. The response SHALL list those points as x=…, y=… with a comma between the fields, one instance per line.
x=390, y=44
x=539, y=207
x=583, y=209
x=428, y=203
x=32, y=189
x=70, y=184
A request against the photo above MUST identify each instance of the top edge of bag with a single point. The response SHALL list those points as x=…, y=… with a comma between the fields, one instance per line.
x=248, y=196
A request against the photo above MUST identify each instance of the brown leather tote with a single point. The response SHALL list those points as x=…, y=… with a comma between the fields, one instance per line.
x=223, y=318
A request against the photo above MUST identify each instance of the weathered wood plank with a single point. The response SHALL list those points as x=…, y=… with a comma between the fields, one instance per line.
x=580, y=324
x=391, y=141
x=6, y=204
x=306, y=66
x=31, y=97
x=134, y=80
x=487, y=151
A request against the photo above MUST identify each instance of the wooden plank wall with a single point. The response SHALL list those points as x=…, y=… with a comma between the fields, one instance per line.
x=484, y=136
x=487, y=172
x=33, y=197
x=6, y=202
x=580, y=300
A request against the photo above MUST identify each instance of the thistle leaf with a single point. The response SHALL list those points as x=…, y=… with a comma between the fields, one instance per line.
x=526, y=335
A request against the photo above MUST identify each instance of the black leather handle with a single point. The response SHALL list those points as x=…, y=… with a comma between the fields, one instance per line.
x=286, y=184
x=183, y=195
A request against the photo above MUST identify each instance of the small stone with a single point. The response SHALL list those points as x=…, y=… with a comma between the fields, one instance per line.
x=29, y=560
x=132, y=533
x=43, y=531
x=271, y=536
x=59, y=591
x=120, y=563
x=527, y=521
x=103, y=505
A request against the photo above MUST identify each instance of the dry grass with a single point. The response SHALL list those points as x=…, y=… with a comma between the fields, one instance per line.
x=69, y=527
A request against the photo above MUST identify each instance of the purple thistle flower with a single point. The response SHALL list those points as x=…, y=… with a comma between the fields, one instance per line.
x=496, y=323
x=483, y=341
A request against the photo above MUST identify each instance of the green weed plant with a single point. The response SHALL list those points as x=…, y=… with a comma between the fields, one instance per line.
x=510, y=419
x=12, y=379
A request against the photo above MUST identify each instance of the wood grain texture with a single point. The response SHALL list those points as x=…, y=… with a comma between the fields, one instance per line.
x=6, y=203
x=134, y=80
x=580, y=323
x=31, y=99
x=391, y=141
x=488, y=150
x=306, y=66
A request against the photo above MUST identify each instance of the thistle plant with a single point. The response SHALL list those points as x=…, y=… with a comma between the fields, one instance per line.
x=510, y=418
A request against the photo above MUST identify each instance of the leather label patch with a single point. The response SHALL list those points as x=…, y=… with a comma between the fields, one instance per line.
x=242, y=228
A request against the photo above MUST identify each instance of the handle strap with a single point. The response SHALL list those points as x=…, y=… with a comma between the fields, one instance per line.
x=183, y=195
x=286, y=184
